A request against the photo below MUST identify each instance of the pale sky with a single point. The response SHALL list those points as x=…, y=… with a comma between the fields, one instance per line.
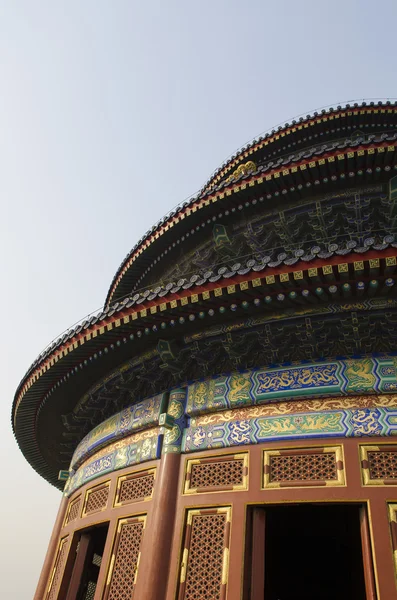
x=110, y=114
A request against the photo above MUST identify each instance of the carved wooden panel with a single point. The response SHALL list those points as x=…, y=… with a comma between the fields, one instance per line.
x=73, y=510
x=303, y=467
x=205, y=558
x=96, y=499
x=57, y=571
x=90, y=592
x=135, y=487
x=123, y=570
x=226, y=472
x=379, y=464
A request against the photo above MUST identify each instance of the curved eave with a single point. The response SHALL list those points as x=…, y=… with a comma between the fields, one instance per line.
x=69, y=369
x=283, y=132
x=288, y=178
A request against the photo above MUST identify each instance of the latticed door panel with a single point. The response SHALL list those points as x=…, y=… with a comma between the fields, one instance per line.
x=205, y=559
x=73, y=510
x=379, y=464
x=303, y=467
x=135, y=487
x=96, y=499
x=123, y=570
x=57, y=571
x=228, y=472
x=90, y=593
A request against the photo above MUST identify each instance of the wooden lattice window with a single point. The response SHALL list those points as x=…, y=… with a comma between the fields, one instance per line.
x=227, y=472
x=124, y=563
x=379, y=464
x=96, y=499
x=73, y=510
x=135, y=487
x=204, y=567
x=303, y=467
x=57, y=571
x=90, y=592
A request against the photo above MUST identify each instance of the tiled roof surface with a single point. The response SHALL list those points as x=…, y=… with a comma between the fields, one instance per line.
x=315, y=152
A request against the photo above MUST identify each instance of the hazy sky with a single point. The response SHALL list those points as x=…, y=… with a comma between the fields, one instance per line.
x=110, y=114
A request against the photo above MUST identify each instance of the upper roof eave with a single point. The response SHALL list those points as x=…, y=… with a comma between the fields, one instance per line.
x=207, y=198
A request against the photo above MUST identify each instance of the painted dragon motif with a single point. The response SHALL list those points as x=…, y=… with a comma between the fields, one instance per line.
x=240, y=386
x=366, y=422
x=307, y=423
x=203, y=393
x=298, y=378
x=360, y=374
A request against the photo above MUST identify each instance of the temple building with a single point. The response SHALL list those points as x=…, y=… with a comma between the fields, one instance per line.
x=224, y=428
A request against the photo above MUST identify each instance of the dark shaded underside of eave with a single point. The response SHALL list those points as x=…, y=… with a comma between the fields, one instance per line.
x=74, y=388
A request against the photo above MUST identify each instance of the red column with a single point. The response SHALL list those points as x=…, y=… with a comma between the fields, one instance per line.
x=156, y=547
x=51, y=551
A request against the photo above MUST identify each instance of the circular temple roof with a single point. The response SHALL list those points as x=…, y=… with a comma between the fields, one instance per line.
x=277, y=148
x=267, y=264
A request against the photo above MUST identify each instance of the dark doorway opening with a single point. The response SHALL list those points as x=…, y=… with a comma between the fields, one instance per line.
x=306, y=552
x=92, y=562
x=85, y=563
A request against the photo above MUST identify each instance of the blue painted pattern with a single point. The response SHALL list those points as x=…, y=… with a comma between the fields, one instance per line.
x=133, y=450
x=291, y=402
x=143, y=415
x=333, y=378
x=379, y=421
x=176, y=410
